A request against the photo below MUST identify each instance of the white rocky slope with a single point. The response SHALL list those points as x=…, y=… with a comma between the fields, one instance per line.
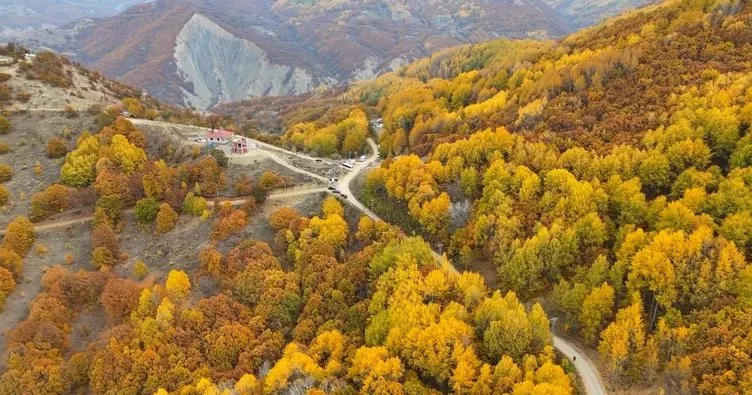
x=224, y=68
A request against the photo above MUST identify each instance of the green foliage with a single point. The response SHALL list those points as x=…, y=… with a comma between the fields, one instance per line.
x=219, y=156
x=146, y=210
x=4, y=125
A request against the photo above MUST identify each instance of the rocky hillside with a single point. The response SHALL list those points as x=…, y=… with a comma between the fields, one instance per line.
x=201, y=52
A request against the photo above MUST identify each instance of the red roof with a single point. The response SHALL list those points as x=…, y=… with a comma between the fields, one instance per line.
x=219, y=134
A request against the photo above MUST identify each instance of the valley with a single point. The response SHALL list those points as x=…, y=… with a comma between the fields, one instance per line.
x=201, y=53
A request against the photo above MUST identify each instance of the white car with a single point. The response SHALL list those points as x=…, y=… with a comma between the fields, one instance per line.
x=362, y=159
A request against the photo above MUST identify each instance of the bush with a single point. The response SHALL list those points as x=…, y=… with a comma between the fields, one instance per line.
x=140, y=270
x=56, y=148
x=102, y=257
x=4, y=196
x=54, y=199
x=70, y=112
x=19, y=236
x=4, y=125
x=94, y=109
x=146, y=210
x=167, y=218
x=7, y=282
x=104, y=238
x=220, y=157
x=269, y=180
x=11, y=261
x=4, y=148
x=194, y=205
x=6, y=172
x=23, y=97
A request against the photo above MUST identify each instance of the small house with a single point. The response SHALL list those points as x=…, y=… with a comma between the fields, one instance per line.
x=219, y=137
x=240, y=146
x=30, y=57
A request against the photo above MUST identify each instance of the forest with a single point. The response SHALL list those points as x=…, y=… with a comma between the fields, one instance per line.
x=599, y=186
x=607, y=175
x=332, y=303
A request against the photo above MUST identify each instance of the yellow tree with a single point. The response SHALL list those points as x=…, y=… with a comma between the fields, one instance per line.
x=596, y=309
x=178, y=284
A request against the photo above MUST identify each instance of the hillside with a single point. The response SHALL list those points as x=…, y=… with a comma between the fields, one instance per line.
x=205, y=52
x=26, y=14
x=607, y=173
x=136, y=258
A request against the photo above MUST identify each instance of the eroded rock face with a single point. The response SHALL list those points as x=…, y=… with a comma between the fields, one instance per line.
x=222, y=68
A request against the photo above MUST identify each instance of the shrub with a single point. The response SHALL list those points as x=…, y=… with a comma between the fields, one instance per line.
x=220, y=157
x=94, y=109
x=194, y=205
x=282, y=218
x=243, y=186
x=140, y=270
x=4, y=196
x=56, y=148
x=7, y=282
x=19, y=236
x=146, y=210
x=4, y=125
x=103, y=237
x=167, y=218
x=270, y=180
x=102, y=257
x=23, y=97
x=6, y=172
x=4, y=148
x=210, y=260
x=70, y=112
x=52, y=200
x=229, y=224
x=11, y=261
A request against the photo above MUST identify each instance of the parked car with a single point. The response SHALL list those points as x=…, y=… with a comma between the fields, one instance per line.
x=344, y=196
x=332, y=188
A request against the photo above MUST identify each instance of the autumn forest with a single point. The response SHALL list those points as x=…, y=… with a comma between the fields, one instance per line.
x=597, y=187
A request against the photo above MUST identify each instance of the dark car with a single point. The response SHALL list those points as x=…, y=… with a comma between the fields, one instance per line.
x=332, y=188
x=344, y=196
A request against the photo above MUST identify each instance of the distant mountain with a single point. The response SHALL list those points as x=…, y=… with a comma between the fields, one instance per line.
x=581, y=13
x=28, y=14
x=203, y=52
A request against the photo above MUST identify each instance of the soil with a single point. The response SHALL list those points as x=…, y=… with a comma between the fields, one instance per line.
x=28, y=143
x=83, y=94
